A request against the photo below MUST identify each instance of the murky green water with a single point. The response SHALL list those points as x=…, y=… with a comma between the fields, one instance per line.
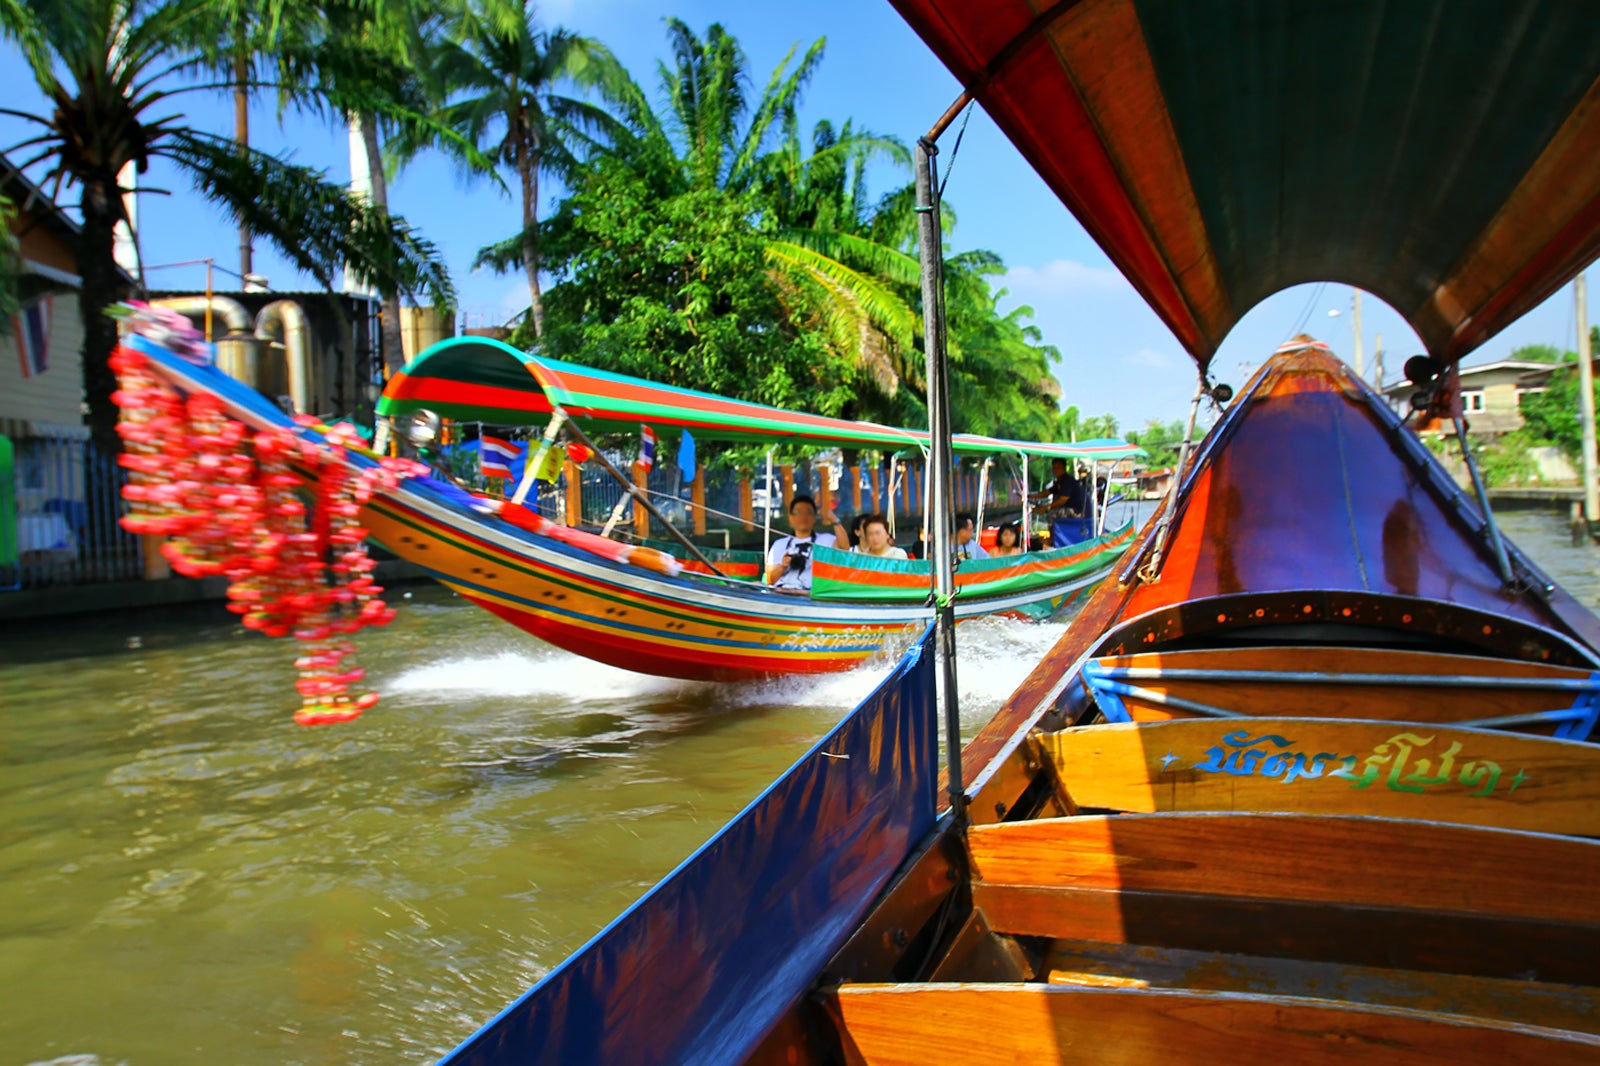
x=187, y=876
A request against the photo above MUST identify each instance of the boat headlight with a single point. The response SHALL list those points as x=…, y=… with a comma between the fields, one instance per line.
x=1222, y=393
x=421, y=427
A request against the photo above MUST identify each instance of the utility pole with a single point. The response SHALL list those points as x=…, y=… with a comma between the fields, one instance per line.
x=1377, y=357
x=1355, y=324
x=1591, y=496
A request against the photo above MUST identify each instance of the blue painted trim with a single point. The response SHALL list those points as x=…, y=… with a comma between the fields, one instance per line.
x=1584, y=712
x=1107, y=693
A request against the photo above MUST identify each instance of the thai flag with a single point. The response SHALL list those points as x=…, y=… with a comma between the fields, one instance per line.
x=495, y=456
x=647, y=447
x=32, y=328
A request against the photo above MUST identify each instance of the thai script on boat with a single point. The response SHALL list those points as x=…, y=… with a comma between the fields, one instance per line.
x=1405, y=762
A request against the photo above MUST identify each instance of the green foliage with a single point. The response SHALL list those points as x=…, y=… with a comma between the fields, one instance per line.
x=10, y=266
x=676, y=290
x=1542, y=353
x=1552, y=415
x=1162, y=442
x=1508, y=460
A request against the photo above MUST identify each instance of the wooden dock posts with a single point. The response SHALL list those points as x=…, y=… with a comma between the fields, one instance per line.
x=697, y=492
x=574, y=500
x=824, y=488
x=855, y=487
x=641, y=517
x=747, y=510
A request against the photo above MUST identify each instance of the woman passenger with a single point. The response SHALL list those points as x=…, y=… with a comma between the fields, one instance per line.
x=875, y=539
x=1007, y=541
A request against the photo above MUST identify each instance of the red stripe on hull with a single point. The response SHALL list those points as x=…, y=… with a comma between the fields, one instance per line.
x=641, y=655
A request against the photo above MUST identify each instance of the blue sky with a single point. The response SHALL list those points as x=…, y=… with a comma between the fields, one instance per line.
x=1116, y=355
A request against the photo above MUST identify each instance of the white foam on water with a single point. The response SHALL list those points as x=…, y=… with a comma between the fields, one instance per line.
x=995, y=655
x=545, y=671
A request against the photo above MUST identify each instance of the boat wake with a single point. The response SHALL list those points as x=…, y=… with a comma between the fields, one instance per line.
x=995, y=655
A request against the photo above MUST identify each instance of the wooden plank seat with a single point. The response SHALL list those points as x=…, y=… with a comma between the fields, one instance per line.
x=1393, y=769
x=1359, y=890
x=1470, y=689
x=882, y=1025
x=1550, y=1006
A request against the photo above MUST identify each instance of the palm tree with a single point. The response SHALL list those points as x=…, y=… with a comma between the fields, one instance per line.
x=504, y=76
x=110, y=69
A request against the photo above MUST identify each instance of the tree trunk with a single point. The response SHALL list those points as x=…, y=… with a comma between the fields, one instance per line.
x=241, y=136
x=389, y=324
x=102, y=287
x=528, y=166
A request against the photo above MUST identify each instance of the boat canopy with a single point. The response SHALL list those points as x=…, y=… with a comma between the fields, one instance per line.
x=478, y=379
x=1439, y=155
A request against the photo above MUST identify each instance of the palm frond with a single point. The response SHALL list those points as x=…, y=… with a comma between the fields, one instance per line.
x=316, y=223
x=861, y=252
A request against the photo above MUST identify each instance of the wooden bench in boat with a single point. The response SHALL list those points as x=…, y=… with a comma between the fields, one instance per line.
x=1394, y=769
x=1356, y=890
x=1011, y=1023
x=1378, y=683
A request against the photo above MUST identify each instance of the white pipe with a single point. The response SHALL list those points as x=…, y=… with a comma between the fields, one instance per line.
x=289, y=321
x=983, y=492
x=1027, y=519
x=766, y=537
x=232, y=311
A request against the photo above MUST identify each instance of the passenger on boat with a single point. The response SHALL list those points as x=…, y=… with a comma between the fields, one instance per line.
x=875, y=539
x=967, y=546
x=789, y=559
x=1007, y=541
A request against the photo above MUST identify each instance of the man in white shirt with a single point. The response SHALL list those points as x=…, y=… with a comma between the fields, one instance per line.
x=967, y=546
x=789, y=558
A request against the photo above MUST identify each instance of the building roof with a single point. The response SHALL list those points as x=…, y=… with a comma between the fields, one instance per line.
x=32, y=199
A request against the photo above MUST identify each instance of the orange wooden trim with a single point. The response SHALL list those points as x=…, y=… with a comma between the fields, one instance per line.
x=1395, y=769
x=1554, y=1006
x=1333, y=859
x=1012, y=1023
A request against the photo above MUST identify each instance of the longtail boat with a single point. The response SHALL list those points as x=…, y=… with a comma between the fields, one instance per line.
x=633, y=606
x=1313, y=779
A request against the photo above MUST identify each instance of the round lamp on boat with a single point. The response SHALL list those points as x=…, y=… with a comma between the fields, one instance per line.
x=1222, y=392
x=421, y=427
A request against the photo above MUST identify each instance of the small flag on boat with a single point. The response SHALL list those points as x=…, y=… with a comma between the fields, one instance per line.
x=495, y=456
x=686, y=456
x=32, y=327
x=550, y=466
x=647, y=447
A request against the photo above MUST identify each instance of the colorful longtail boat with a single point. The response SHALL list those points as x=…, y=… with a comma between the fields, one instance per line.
x=636, y=609
x=1313, y=780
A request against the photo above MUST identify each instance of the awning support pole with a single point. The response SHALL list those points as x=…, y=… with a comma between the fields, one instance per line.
x=983, y=492
x=1492, y=528
x=1152, y=569
x=640, y=498
x=940, y=525
x=558, y=418
x=1027, y=519
x=766, y=525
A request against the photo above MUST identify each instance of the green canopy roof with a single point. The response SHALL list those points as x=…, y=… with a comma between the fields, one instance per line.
x=476, y=379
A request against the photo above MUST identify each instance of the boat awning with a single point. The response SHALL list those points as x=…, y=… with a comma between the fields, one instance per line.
x=1440, y=155
x=478, y=379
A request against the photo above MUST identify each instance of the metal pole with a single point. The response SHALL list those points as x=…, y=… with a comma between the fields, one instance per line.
x=1094, y=498
x=1355, y=324
x=983, y=492
x=940, y=526
x=1591, y=495
x=1495, y=543
x=1027, y=519
x=558, y=417
x=766, y=537
x=640, y=498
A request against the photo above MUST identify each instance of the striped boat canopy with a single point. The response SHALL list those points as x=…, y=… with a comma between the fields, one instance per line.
x=1439, y=155
x=477, y=379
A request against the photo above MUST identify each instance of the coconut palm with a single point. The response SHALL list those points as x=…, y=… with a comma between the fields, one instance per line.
x=506, y=76
x=110, y=69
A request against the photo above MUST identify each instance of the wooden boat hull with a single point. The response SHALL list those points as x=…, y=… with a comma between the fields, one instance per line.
x=689, y=626
x=1347, y=816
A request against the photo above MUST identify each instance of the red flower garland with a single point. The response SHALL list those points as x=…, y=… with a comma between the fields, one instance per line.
x=232, y=508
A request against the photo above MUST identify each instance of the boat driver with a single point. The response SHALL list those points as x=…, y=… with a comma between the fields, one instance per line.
x=789, y=559
x=1067, y=494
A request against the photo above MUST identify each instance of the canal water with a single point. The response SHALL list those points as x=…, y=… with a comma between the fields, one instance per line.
x=187, y=876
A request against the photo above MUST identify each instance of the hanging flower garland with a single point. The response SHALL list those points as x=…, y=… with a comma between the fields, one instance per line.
x=230, y=504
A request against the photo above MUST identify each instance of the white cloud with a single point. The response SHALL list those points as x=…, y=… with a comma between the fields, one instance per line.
x=1150, y=357
x=1064, y=277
